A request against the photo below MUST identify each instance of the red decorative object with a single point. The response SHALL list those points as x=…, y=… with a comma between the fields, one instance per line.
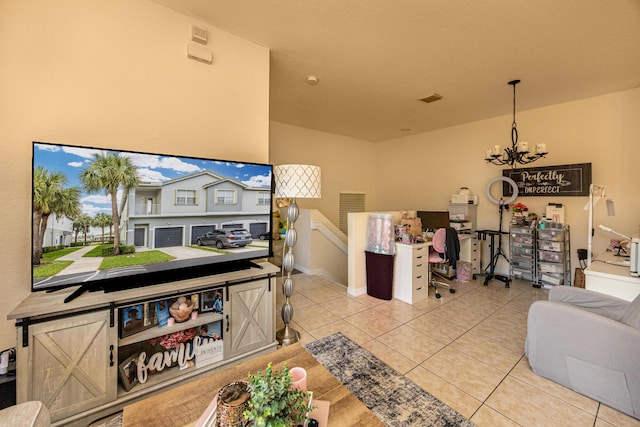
x=518, y=207
x=174, y=339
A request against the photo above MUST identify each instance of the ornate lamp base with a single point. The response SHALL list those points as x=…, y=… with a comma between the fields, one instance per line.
x=287, y=336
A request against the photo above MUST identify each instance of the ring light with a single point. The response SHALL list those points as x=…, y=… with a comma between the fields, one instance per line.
x=509, y=181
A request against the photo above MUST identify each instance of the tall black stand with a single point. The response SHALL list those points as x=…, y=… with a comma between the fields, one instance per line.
x=496, y=253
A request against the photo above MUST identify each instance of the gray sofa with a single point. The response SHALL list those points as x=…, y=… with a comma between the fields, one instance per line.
x=590, y=343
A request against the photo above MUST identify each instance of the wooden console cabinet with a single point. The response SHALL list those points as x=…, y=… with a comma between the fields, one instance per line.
x=68, y=354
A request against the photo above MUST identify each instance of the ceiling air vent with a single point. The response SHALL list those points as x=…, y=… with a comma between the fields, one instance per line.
x=431, y=98
x=199, y=35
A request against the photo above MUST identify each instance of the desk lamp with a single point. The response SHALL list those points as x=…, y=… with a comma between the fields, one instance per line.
x=619, y=247
x=293, y=181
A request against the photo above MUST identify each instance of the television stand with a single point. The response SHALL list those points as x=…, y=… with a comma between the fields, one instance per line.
x=75, y=294
x=87, y=342
x=255, y=265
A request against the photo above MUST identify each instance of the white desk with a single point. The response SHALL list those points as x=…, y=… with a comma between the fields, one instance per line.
x=411, y=272
x=611, y=279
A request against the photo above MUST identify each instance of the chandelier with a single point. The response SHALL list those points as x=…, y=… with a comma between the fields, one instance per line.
x=519, y=151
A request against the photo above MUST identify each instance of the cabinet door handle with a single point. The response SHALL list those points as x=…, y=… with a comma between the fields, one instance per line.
x=417, y=289
x=227, y=323
x=111, y=355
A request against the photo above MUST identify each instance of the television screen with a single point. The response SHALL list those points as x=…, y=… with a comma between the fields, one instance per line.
x=432, y=220
x=113, y=219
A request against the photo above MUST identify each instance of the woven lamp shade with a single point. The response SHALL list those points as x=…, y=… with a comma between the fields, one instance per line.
x=297, y=181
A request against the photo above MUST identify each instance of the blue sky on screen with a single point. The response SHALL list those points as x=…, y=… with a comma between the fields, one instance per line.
x=71, y=160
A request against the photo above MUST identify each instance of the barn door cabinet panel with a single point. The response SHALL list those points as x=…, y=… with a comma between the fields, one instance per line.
x=68, y=364
x=251, y=316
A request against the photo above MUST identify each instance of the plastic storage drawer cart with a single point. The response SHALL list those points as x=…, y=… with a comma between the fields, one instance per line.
x=554, y=260
x=522, y=244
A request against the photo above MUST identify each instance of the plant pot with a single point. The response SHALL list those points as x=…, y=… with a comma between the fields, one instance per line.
x=233, y=400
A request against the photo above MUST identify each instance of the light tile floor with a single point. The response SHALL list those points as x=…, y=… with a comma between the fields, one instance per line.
x=467, y=349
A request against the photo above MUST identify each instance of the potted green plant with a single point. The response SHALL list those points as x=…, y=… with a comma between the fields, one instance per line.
x=274, y=403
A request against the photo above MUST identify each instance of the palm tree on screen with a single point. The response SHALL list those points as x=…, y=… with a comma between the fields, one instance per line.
x=107, y=173
x=78, y=226
x=50, y=196
x=85, y=222
x=102, y=220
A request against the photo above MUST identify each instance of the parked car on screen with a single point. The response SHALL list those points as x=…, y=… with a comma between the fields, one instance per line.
x=236, y=238
x=264, y=236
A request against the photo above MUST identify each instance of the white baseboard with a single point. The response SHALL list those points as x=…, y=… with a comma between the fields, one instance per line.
x=319, y=272
x=356, y=292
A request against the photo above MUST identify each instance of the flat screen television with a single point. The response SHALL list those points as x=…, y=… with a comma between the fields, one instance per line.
x=173, y=217
x=432, y=220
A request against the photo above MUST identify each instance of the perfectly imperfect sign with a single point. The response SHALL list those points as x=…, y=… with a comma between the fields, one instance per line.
x=564, y=180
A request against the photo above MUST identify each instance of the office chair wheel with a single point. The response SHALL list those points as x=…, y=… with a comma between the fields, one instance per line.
x=453, y=291
x=438, y=295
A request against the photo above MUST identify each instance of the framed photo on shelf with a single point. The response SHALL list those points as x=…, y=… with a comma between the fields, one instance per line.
x=132, y=320
x=162, y=312
x=212, y=301
x=150, y=318
x=211, y=346
x=128, y=370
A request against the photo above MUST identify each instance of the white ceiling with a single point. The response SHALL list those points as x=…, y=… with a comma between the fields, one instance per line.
x=376, y=58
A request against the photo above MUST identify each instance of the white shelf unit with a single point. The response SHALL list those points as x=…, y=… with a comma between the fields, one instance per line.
x=554, y=257
x=463, y=217
x=470, y=251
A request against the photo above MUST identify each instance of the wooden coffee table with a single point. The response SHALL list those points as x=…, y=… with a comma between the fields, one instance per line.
x=183, y=405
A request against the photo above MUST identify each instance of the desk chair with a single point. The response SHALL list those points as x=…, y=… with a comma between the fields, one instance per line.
x=445, y=249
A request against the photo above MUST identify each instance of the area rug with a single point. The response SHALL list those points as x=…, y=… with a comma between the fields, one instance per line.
x=394, y=399
x=116, y=421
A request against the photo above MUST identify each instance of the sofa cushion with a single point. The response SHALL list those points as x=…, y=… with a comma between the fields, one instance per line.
x=595, y=302
x=26, y=414
x=631, y=316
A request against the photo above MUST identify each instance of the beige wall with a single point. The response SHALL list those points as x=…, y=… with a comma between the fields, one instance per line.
x=347, y=164
x=422, y=171
x=114, y=73
x=601, y=130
